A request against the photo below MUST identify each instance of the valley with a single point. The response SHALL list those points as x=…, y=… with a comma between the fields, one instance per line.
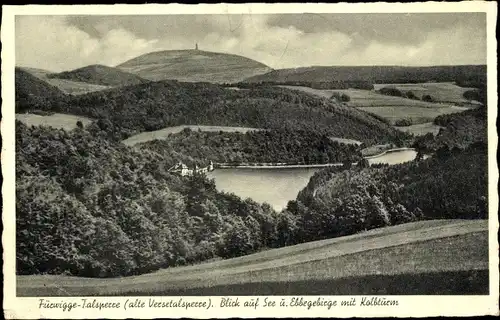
x=277, y=185
x=327, y=180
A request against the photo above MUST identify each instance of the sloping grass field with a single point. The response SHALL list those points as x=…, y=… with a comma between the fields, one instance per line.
x=56, y=120
x=421, y=129
x=389, y=107
x=164, y=133
x=440, y=91
x=66, y=86
x=427, y=257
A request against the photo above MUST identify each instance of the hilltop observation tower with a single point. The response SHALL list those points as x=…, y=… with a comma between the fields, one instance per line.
x=196, y=46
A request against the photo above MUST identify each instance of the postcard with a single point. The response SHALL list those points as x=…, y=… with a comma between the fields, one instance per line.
x=249, y=160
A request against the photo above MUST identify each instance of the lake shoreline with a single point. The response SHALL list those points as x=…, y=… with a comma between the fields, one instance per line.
x=302, y=166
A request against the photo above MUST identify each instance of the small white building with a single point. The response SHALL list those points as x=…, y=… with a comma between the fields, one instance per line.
x=183, y=170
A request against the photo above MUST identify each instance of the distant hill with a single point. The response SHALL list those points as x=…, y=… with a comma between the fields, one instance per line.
x=377, y=74
x=66, y=86
x=100, y=75
x=194, y=66
x=34, y=93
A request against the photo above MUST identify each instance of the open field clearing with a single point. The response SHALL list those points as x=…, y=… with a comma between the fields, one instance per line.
x=417, y=115
x=67, y=86
x=368, y=98
x=428, y=257
x=346, y=141
x=376, y=149
x=56, y=120
x=163, y=133
x=421, y=129
x=317, y=92
x=440, y=91
x=388, y=107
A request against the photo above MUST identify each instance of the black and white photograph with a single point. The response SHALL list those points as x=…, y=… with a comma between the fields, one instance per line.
x=232, y=155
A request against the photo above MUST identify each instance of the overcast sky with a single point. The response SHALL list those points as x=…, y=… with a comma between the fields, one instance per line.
x=60, y=43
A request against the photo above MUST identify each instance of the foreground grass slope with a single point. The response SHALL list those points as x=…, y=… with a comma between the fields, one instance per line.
x=440, y=249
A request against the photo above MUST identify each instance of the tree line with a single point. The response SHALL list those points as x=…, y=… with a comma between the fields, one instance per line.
x=87, y=206
x=339, y=202
x=267, y=146
x=322, y=85
x=152, y=106
x=459, y=131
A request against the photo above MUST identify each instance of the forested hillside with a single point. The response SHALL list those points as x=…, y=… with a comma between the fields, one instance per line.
x=153, y=106
x=338, y=202
x=270, y=146
x=100, y=75
x=105, y=192
x=32, y=93
x=77, y=190
x=87, y=206
x=460, y=130
x=464, y=74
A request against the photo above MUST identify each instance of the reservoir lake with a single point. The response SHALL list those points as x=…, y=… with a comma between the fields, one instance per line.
x=277, y=186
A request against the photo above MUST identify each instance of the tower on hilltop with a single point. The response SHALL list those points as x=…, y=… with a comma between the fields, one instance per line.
x=196, y=46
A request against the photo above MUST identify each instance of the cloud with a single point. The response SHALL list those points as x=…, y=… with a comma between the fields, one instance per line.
x=50, y=43
x=62, y=43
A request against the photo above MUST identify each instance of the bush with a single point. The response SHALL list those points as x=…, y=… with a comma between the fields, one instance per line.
x=427, y=98
x=411, y=95
x=340, y=97
x=403, y=122
x=391, y=91
x=42, y=112
x=472, y=95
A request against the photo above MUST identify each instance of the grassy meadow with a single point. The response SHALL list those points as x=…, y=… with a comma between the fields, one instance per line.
x=448, y=256
x=389, y=107
x=421, y=129
x=56, y=120
x=447, y=92
x=66, y=86
x=346, y=141
x=417, y=115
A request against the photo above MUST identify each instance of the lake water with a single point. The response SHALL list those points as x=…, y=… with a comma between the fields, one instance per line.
x=278, y=186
